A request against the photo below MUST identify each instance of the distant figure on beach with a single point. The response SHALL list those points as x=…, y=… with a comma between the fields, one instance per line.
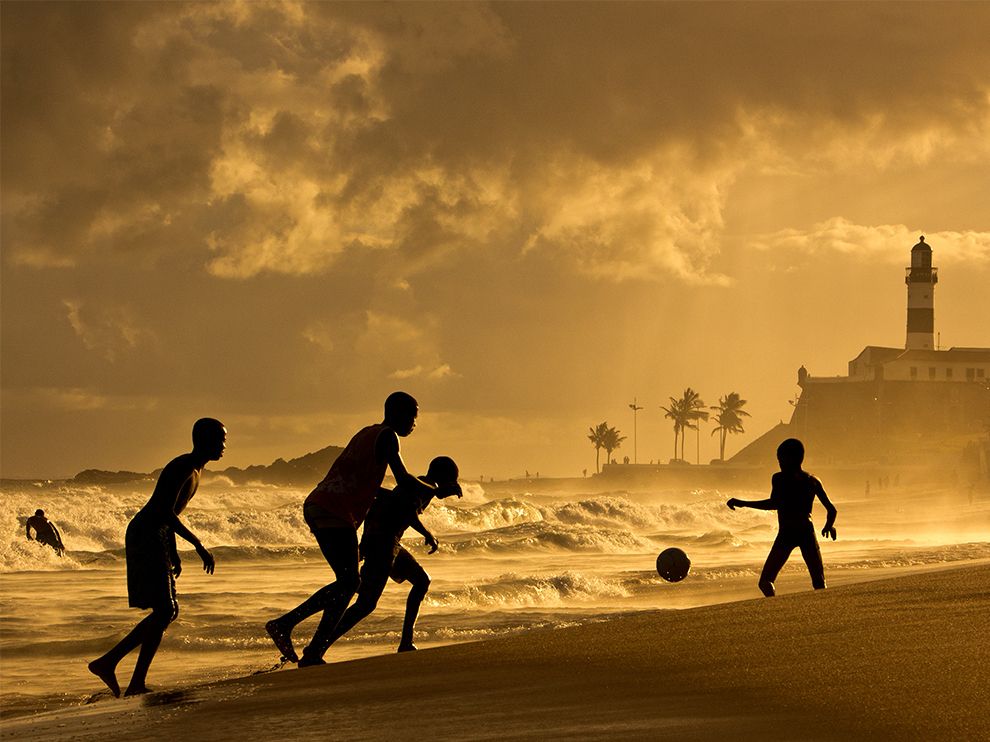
x=384, y=556
x=152, y=559
x=45, y=532
x=792, y=495
x=334, y=510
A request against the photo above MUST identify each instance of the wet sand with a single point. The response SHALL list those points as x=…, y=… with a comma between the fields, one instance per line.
x=901, y=658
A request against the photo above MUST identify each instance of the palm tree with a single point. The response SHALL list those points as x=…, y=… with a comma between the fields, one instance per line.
x=728, y=415
x=693, y=408
x=598, y=436
x=674, y=413
x=612, y=441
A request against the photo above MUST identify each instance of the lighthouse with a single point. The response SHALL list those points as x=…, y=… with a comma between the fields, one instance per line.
x=921, y=279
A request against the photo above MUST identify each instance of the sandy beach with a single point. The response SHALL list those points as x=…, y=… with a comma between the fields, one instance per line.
x=901, y=658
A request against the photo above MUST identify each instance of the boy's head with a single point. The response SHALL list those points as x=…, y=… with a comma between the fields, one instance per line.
x=790, y=454
x=443, y=470
x=401, y=410
x=209, y=438
x=39, y=513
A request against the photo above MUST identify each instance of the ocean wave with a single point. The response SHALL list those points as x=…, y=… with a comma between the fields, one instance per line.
x=93, y=520
x=918, y=557
x=257, y=522
x=604, y=511
x=545, y=536
x=31, y=556
x=711, y=538
x=444, y=518
x=512, y=590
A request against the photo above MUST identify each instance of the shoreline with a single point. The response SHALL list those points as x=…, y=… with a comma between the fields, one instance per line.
x=902, y=657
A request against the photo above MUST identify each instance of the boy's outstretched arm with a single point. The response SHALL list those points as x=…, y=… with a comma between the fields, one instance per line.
x=831, y=512
x=388, y=448
x=767, y=504
x=417, y=525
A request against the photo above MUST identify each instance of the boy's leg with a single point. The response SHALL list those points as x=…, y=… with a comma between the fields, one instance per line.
x=336, y=544
x=374, y=575
x=147, y=635
x=405, y=567
x=812, y=554
x=340, y=547
x=147, y=579
x=158, y=621
x=779, y=552
x=105, y=667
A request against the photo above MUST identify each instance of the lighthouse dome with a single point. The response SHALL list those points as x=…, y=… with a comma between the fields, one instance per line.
x=922, y=245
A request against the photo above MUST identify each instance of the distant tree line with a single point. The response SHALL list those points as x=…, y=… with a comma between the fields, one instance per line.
x=686, y=413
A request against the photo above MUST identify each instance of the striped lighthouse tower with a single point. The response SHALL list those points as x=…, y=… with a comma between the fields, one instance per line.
x=921, y=279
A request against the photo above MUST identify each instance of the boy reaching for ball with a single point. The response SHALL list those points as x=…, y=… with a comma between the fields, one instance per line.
x=384, y=556
x=792, y=495
x=336, y=508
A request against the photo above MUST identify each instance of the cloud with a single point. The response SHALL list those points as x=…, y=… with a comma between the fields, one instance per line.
x=885, y=242
x=260, y=138
x=77, y=399
x=320, y=334
x=406, y=373
x=641, y=221
x=440, y=372
x=268, y=208
x=388, y=339
x=111, y=331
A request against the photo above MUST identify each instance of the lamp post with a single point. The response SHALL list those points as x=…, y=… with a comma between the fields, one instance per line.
x=697, y=455
x=635, y=408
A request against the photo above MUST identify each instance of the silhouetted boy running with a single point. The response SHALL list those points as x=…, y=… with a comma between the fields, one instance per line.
x=384, y=556
x=152, y=560
x=45, y=532
x=792, y=495
x=334, y=510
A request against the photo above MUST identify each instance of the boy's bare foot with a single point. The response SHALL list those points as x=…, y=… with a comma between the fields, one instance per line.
x=282, y=640
x=311, y=661
x=138, y=691
x=105, y=672
x=410, y=647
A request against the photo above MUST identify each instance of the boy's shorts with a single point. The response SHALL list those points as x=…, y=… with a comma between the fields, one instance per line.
x=385, y=560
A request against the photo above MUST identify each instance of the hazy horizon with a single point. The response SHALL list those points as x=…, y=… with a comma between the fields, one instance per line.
x=526, y=215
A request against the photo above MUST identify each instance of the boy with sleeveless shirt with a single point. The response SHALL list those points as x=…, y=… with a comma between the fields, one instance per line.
x=792, y=495
x=385, y=557
x=335, y=509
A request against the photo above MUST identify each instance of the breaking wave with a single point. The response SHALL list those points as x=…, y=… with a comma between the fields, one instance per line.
x=515, y=591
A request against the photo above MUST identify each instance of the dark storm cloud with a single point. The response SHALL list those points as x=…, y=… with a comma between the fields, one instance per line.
x=271, y=137
x=282, y=208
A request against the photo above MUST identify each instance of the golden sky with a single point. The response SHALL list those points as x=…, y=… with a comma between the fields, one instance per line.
x=524, y=214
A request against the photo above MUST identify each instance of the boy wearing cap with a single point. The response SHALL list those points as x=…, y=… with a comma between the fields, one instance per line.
x=384, y=556
x=336, y=508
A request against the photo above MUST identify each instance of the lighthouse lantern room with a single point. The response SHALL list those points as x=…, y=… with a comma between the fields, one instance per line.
x=921, y=279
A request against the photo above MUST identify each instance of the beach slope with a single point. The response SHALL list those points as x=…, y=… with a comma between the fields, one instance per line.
x=903, y=658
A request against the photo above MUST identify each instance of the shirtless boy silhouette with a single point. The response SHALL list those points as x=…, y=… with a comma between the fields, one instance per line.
x=152, y=560
x=336, y=508
x=792, y=495
x=384, y=556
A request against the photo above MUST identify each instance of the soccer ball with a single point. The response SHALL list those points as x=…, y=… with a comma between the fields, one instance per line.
x=673, y=564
